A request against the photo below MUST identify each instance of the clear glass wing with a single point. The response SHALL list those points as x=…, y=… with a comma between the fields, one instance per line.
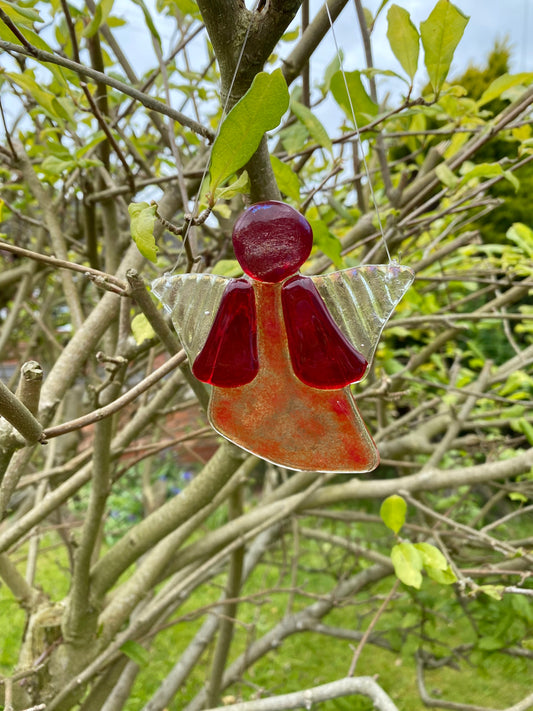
x=192, y=301
x=362, y=299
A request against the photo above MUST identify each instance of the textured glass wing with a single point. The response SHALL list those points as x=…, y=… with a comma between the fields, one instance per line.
x=192, y=301
x=321, y=355
x=229, y=356
x=361, y=300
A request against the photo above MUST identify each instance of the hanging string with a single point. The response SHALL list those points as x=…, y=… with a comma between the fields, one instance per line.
x=208, y=161
x=358, y=136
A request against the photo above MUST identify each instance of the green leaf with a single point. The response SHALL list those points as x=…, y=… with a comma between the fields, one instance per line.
x=36, y=41
x=526, y=428
x=522, y=608
x=441, y=34
x=363, y=105
x=259, y=110
x=431, y=556
x=490, y=170
x=148, y=20
x=291, y=35
x=142, y=219
x=294, y=138
x=241, y=185
x=100, y=16
x=136, y=652
x=287, y=180
x=227, y=268
x=404, y=39
x=407, y=563
x=379, y=11
x=316, y=130
x=446, y=176
x=490, y=644
x=142, y=329
x=327, y=242
x=56, y=166
x=187, y=7
x=46, y=100
x=330, y=70
x=393, y=511
x=92, y=28
x=493, y=591
x=443, y=577
x=521, y=235
x=518, y=496
x=503, y=83
x=20, y=14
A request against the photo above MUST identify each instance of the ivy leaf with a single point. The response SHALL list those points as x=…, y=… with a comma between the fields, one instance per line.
x=316, y=130
x=407, y=562
x=142, y=329
x=287, y=180
x=393, y=511
x=441, y=34
x=259, y=110
x=142, y=219
x=362, y=104
x=404, y=39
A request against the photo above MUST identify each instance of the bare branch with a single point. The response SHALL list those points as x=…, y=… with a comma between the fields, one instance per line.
x=87, y=72
x=18, y=415
x=360, y=686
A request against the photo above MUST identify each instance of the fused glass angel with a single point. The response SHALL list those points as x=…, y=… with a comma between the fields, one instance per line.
x=280, y=349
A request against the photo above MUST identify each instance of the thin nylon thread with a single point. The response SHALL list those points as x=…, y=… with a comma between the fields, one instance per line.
x=358, y=135
x=224, y=113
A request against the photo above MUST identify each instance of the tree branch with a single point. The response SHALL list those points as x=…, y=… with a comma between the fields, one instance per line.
x=311, y=38
x=361, y=686
x=18, y=415
x=87, y=72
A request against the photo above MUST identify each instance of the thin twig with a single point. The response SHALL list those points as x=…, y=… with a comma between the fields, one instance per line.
x=85, y=71
x=370, y=628
x=99, y=277
x=120, y=402
x=105, y=128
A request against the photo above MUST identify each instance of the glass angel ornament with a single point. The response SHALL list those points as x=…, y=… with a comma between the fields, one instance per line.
x=280, y=349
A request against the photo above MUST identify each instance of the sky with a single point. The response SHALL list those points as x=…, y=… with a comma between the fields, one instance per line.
x=490, y=20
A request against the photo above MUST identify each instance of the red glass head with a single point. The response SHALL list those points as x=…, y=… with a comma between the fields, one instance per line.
x=271, y=241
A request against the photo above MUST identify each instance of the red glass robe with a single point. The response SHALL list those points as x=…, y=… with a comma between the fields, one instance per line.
x=280, y=366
